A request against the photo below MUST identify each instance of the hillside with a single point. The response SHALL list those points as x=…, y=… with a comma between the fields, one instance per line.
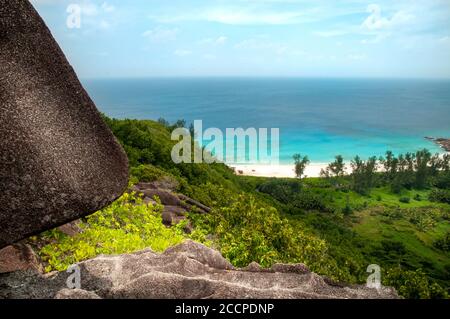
x=321, y=222
x=193, y=230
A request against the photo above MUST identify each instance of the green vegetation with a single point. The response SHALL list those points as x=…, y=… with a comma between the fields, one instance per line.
x=337, y=224
x=413, y=284
x=443, y=243
x=248, y=231
x=300, y=163
x=335, y=169
x=363, y=175
x=125, y=226
x=440, y=196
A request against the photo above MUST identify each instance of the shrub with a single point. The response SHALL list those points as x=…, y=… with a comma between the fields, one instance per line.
x=443, y=180
x=347, y=210
x=389, y=251
x=281, y=189
x=443, y=243
x=440, y=195
x=125, y=226
x=405, y=200
x=413, y=284
x=423, y=219
x=146, y=173
x=392, y=213
x=309, y=200
x=248, y=231
x=396, y=247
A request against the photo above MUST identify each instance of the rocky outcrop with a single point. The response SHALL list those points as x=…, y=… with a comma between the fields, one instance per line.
x=175, y=205
x=58, y=160
x=189, y=270
x=444, y=143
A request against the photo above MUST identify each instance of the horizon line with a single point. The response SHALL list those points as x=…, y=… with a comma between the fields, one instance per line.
x=263, y=77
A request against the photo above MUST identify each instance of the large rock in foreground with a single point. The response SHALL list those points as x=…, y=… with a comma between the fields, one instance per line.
x=58, y=160
x=189, y=270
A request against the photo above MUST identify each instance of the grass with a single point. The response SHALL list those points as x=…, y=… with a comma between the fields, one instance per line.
x=419, y=251
x=381, y=228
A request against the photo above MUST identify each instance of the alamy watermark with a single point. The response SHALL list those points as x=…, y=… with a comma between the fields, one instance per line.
x=374, y=279
x=73, y=20
x=74, y=279
x=236, y=146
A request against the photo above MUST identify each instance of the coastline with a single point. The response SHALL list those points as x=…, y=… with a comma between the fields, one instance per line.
x=443, y=143
x=312, y=169
x=280, y=170
x=287, y=170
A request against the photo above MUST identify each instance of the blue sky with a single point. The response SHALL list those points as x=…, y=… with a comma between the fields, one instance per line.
x=307, y=38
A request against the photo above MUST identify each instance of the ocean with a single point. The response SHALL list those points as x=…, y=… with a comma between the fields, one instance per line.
x=320, y=118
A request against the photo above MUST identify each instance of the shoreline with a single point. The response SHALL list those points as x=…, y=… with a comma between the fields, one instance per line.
x=443, y=143
x=279, y=170
x=312, y=169
x=287, y=170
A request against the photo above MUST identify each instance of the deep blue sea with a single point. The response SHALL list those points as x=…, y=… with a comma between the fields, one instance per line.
x=317, y=117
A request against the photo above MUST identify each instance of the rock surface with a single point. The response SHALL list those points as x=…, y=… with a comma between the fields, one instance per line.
x=444, y=143
x=58, y=160
x=18, y=257
x=189, y=270
x=175, y=205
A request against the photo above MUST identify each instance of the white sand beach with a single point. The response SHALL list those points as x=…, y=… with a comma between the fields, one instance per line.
x=281, y=170
x=287, y=170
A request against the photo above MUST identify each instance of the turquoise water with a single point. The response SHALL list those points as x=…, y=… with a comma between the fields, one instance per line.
x=317, y=117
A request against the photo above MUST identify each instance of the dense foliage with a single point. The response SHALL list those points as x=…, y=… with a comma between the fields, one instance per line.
x=125, y=226
x=248, y=231
x=413, y=284
x=440, y=196
x=337, y=225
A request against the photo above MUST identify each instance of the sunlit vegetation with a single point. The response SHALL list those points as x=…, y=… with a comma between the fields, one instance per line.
x=127, y=225
x=397, y=217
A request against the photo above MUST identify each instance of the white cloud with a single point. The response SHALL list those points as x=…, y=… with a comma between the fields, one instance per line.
x=94, y=16
x=89, y=8
x=241, y=15
x=103, y=24
x=215, y=41
x=210, y=57
x=330, y=33
x=357, y=57
x=182, y=53
x=221, y=40
x=160, y=34
x=375, y=21
x=98, y=17
x=375, y=27
x=107, y=7
x=444, y=40
x=377, y=38
x=264, y=45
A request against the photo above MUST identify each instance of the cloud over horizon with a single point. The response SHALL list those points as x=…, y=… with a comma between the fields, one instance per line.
x=356, y=38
